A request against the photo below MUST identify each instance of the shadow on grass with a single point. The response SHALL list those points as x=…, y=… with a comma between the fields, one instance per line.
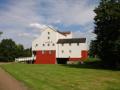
x=92, y=65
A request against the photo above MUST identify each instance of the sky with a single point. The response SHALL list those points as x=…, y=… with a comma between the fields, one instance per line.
x=22, y=20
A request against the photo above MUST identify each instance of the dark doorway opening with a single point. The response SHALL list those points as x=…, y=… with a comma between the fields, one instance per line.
x=62, y=60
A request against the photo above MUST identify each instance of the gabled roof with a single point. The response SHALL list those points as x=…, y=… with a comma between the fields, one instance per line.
x=73, y=40
x=63, y=33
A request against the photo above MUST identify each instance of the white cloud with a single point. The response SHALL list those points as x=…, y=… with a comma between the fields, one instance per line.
x=20, y=12
x=38, y=26
x=24, y=12
x=19, y=16
x=28, y=35
x=24, y=35
x=69, y=11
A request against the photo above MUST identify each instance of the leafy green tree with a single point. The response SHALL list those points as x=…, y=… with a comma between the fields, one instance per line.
x=19, y=50
x=28, y=52
x=8, y=49
x=107, y=29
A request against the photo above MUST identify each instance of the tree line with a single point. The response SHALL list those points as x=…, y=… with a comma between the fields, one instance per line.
x=9, y=50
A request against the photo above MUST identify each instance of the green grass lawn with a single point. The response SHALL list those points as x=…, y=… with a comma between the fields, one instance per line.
x=62, y=77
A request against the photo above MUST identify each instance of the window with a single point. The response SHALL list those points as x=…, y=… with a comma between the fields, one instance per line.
x=48, y=44
x=62, y=51
x=70, y=44
x=48, y=32
x=48, y=37
x=43, y=44
x=77, y=44
x=70, y=51
x=53, y=44
x=36, y=45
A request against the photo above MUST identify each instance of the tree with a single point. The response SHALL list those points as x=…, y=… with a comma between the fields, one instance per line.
x=19, y=50
x=9, y=50
x=93, y=48
x=28, y=52
x=107, y=29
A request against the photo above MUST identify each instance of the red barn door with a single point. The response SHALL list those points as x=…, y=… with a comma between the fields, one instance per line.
x=45, y=57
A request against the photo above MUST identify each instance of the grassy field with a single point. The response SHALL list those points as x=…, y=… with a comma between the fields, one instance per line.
x=62, y=77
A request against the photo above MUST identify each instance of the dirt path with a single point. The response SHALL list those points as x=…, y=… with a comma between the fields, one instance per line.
x=7, y=82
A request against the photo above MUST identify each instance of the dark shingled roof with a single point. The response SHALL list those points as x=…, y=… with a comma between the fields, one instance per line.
x=73, y=40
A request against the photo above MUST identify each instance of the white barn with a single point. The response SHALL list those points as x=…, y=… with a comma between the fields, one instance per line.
x=53, y=47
